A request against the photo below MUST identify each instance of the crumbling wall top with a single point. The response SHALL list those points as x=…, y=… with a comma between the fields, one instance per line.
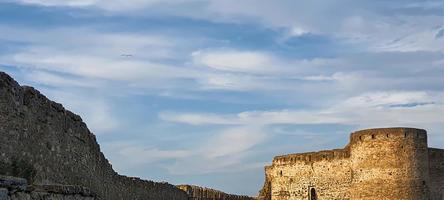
x=312, y=156
x=196, y=192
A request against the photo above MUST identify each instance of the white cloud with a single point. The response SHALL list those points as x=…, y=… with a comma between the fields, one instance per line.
x=372, y=25
x=60, y=2
x=111, y=5
x=224, y=152
x=51, y=79
x=233, y=141
x=298, y=31
x=259, y=63
x=375, y=25
x=338, y=76
x=193, y=118
x=377, y=99
x=255, y=117
x=235, y=61
x=109, y=68
x=96, y=56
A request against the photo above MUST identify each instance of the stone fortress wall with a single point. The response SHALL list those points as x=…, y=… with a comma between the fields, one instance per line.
x=201, y=193
x=388, y=163
x=47, y=144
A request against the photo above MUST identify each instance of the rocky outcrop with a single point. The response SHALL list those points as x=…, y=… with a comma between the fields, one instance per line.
x=12, y=188
x=49, y=145
x=201, y=193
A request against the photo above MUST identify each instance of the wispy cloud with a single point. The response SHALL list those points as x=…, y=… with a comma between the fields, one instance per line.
x=54, y=79
x=112, y=5
x=236, y=61
x=97, y=56
x=366, y=110
x=222, y=152
x=260, y=63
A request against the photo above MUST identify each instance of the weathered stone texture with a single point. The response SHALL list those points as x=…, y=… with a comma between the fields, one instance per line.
x=292, y=176
x=388, y=163
x=46, y=144
x=12, y=188
x=200, y=193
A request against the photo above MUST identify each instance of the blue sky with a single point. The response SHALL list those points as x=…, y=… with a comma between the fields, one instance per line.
x=214, y=89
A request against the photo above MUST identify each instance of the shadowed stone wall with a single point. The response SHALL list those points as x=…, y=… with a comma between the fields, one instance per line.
x=46, y=144
x=12, y=188
x=388, y=163
x=436, y=162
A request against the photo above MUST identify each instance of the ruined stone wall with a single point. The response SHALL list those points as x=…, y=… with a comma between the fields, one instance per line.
x=200, y=193
x=436, y=164
x=390, y=163
x=294, y=176
x=46, y=144
x=12, y=188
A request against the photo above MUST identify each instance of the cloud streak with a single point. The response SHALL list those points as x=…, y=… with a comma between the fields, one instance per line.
x=366, y=110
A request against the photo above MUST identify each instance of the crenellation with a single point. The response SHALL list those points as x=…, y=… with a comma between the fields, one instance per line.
x=312, y=156
x=387, y=134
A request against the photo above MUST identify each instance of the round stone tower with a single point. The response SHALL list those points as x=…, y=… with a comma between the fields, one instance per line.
x=389, y=163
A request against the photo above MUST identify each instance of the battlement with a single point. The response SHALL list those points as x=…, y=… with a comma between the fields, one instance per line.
x=312, y=156
x=377, y=134
x=388, y=134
